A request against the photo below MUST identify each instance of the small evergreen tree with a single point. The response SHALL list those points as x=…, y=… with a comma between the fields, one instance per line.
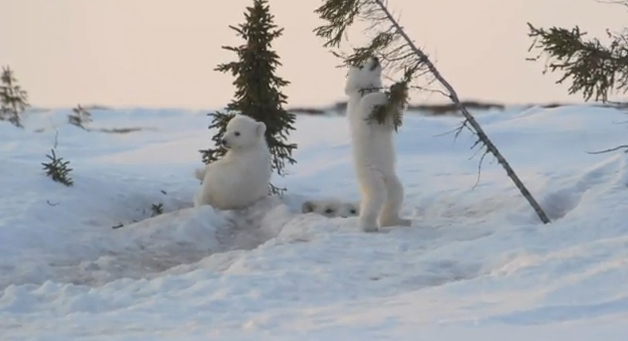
x=157, y=209
x=58, y=170
x=257, y=89
x=13, y=100
x=79, y=117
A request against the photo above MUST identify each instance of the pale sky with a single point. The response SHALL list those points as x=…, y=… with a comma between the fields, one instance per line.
x=161, y=53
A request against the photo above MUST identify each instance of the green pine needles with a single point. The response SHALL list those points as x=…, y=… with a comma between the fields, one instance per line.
x=257, y=92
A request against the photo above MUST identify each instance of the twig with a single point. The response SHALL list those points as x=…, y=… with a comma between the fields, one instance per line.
x=430, y=90
x=477, y=181
x=614, y=2
x=447, y=132
x=462, y=126
x=56, y=140
x=623, y=146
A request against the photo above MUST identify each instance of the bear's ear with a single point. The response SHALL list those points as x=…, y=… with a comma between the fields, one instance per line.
x=308, y=207
x=260, y=129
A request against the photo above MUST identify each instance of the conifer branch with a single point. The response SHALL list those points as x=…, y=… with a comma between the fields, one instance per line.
x=594, y=69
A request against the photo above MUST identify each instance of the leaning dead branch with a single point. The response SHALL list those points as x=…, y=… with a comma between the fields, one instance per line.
x=398, y=53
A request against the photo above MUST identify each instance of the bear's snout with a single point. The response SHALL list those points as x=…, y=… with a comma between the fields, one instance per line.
x=375, y=63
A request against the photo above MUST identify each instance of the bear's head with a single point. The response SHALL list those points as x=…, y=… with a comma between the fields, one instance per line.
x=367, y=76
x=243, y=132
x=330, y=208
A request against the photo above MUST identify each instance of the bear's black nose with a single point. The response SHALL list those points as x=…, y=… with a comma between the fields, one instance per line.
x=375, y=63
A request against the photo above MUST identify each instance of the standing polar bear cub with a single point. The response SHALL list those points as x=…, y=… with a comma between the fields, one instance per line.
x=242, y=176
x=373, y=150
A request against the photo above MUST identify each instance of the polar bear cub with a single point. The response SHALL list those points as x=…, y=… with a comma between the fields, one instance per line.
x=373, y=150
x=330, y=208
x=242, y=176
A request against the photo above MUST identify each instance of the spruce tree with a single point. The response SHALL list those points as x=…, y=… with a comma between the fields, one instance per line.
x=13, y=100
x=257, y=89
x=79, y=117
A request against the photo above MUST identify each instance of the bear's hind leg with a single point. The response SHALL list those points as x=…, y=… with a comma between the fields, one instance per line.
x=389, y=215
x=373, y=193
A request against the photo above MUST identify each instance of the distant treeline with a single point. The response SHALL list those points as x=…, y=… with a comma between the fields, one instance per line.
x=425, y=109
x=438, y=109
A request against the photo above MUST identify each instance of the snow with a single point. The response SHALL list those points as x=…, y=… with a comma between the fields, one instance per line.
x=476, y=265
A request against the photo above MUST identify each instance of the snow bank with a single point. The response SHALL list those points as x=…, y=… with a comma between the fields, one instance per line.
x=476, y=263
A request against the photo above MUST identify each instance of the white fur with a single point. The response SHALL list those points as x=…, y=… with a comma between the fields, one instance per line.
x=330, y=208
x=242, y=176
x=373, y=150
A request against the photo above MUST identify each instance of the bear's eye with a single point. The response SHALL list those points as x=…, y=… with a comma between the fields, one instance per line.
x=237, y=133
x=352, y=211
x=329, y=210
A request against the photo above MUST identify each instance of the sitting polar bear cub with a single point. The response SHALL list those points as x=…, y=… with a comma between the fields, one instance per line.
x=373, y=150
x=330, y=208
x=242, y=176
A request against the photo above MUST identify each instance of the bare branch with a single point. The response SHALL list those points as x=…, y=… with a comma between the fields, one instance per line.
x=480, y=169
x=431, y=90
x=624, y=146
x=614, y=2
x=457, y=129
x=56, y=138
x=463, y=125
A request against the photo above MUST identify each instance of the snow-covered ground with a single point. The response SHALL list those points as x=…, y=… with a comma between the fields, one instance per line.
x=476, y=264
